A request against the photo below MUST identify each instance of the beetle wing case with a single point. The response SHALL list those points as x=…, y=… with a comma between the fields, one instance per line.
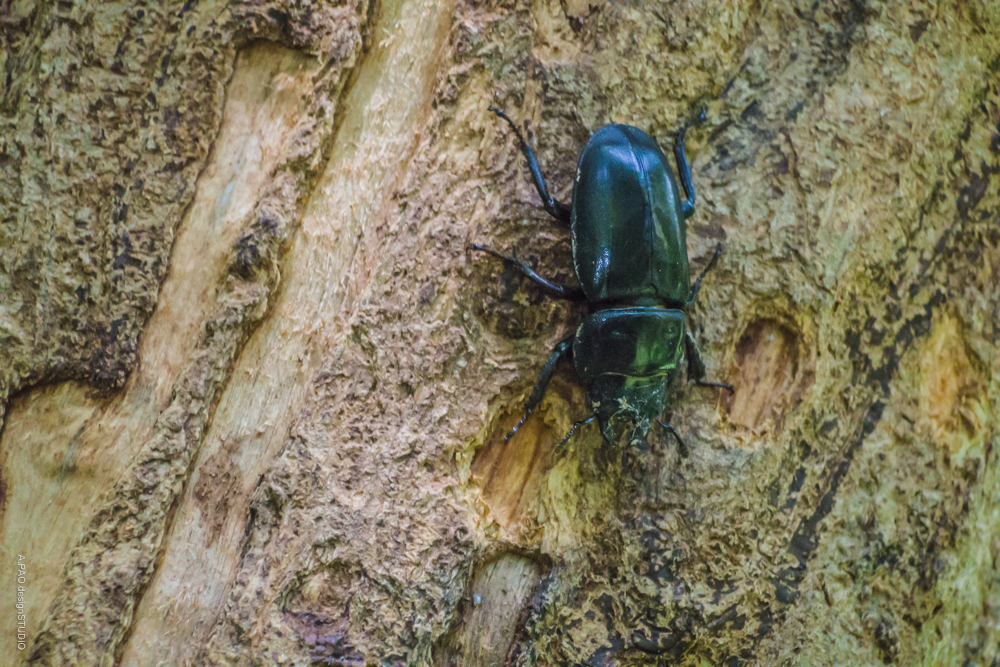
x=637, y=342
x=628, y=227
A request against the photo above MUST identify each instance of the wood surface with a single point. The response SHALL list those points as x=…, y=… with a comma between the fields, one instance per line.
x=254, y=387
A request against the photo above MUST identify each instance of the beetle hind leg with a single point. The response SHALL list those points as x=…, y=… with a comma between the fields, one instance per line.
x=553, y=207
x=550, y=288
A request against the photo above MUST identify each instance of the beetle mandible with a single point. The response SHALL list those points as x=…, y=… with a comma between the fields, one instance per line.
x=628, y=230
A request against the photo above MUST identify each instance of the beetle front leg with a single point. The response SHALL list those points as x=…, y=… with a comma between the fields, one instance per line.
x=556, y=209
x=696, y=367
x=550, y=288
x=564, y=348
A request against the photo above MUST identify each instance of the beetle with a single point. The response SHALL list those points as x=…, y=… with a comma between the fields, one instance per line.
x=628, y=231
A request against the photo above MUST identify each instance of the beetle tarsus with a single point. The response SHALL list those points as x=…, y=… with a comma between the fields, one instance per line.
x=681, y=447
x=582, y=422
x=553, y=207
x=696, y=288
x=524, y=418
x=550, y=288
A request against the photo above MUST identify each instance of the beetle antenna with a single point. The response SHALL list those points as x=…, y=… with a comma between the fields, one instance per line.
x=681, y=447
x=582, y=422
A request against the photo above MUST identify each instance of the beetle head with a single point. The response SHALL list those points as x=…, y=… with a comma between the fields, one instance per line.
x=627, y=406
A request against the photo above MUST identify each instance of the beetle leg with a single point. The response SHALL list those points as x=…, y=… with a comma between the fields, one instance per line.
x=696, y=288
x=582, y=422
x=556, y=209
x=684, y=169
x=681, y=447
x=565, y=347
x=550, y=288
x=696, y=367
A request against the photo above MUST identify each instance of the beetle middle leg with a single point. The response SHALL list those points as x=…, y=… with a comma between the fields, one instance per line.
x=553, y=207
x=563, y=349
x=550, y=288
x=696, y=366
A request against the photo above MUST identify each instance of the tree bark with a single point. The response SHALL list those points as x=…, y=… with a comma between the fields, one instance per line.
x=254, y=389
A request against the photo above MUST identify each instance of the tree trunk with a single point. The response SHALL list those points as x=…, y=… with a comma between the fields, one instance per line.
x=254, y=388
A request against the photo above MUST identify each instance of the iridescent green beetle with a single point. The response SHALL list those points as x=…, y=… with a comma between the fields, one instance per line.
x=627, y=222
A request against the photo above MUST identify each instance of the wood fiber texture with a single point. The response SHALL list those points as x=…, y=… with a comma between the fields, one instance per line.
x=254, y=387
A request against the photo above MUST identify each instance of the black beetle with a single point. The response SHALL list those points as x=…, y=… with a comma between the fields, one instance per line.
x=627, y=223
